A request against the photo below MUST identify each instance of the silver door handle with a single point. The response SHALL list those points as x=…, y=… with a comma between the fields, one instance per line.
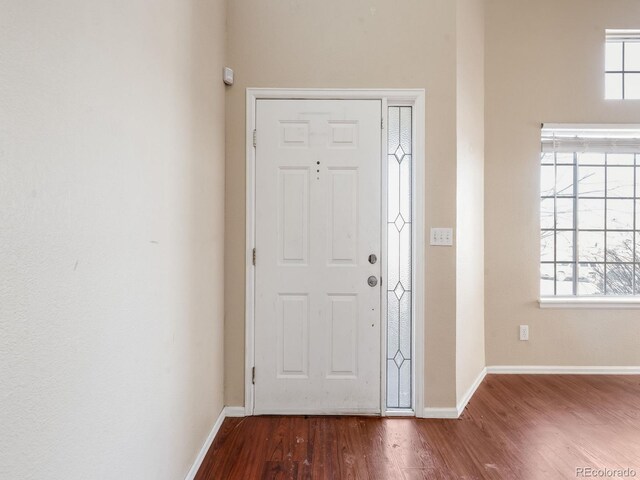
x=372, y=281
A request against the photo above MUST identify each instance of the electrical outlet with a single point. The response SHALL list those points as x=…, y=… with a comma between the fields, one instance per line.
x=442, y=236
x=524, y=332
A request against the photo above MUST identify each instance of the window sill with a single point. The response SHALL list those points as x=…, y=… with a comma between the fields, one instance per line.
x=590, y=302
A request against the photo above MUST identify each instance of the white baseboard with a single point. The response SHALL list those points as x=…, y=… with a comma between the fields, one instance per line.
x=450, y=412
x=462, y=404
x=525, y=369
x=434, y=412
x=205, y=448
x=232, y=412
x=562, y=370
x=226, y=412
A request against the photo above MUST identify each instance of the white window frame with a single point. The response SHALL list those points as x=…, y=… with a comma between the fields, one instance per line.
x=624, y=37
x=625, y=135
x=394, y=97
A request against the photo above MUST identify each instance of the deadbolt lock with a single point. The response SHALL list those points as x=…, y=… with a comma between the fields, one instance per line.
x=373, y=259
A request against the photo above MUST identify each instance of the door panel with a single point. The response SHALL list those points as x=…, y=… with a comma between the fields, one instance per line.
x=344, y=336
x=317, y=321
x=343, y=216
x=293, y=340
x=293, y=212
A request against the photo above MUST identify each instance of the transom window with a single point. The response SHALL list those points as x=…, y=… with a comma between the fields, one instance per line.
x=590, y=211
x=622, y=64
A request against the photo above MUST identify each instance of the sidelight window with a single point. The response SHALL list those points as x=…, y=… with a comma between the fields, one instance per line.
x=399, y=246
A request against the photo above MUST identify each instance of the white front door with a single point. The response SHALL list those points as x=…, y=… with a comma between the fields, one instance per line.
x=317, y=318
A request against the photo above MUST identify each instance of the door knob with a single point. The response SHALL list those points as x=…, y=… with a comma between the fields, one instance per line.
x=372, y=281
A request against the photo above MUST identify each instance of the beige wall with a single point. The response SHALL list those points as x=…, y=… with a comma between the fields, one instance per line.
x=111, y=226
x=544, y=63
x=470, y=355
x=354, y=44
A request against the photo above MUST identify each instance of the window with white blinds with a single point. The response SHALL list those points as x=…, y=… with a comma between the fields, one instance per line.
x=590, y=210
x=622, y=64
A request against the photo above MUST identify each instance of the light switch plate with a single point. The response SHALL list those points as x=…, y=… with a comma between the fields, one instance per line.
x=442, y=236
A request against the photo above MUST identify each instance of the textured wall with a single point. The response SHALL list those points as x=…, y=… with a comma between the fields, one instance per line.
x=111, y=234
x=354, y=44
x=544, y=63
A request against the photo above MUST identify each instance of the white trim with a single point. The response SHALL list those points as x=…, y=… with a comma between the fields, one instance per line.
x=414, y=97
x=418, y=253
x=384, y=197
x=396, y=95
x=462, y=404
x=563, y=370
x=430, y=412
x=250, y=220
x=590, y=302
x=525, y=369
x=234, y=412
x=205, y=448
x=227, y=412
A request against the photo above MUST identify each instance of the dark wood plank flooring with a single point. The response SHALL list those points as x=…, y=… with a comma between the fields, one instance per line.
x=515, y=427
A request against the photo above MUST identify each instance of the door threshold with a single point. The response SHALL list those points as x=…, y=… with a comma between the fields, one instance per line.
x=400, y=412
x=316, y=412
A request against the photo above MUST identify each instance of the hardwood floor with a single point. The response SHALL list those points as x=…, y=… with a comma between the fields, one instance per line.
x=515, y=427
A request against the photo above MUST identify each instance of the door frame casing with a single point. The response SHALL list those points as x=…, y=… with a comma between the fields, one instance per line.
x=406, y=97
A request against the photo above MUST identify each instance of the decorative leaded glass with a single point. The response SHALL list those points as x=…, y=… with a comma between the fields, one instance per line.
x=399, y=274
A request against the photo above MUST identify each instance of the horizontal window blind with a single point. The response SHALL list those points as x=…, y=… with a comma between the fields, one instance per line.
x=623, y=35
x=590, y=138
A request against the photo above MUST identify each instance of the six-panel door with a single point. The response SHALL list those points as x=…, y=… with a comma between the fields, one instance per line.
x=317, y=319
